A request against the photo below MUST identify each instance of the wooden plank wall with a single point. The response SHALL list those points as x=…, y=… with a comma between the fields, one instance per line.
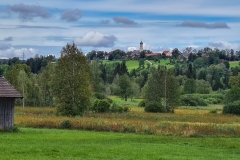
x=6, y=113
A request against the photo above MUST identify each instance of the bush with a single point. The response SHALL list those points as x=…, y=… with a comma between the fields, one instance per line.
x=101, y=106
x=126, y=109
x=232, y=108
x=118, y=109
x=66, y=124
x=154, y=107
x=141, y=103
x=213, y=111
x=99, y=95
x=190, y=100
x=109, y=100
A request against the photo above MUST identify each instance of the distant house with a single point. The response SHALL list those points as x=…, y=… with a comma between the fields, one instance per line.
x=153, y=55
x=7, y=98
x=106, y=56
x=135, y=53
x=167, y=53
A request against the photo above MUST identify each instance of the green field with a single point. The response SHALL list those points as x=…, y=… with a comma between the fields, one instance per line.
x=134, y=64
x=71, y=144
x=234, y=64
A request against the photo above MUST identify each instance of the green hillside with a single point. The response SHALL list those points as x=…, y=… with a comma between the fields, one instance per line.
x=133, y=64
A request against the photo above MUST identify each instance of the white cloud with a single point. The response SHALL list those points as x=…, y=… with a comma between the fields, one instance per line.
x=132, y=48
x=96, y=39
x=13, y=52
x=225, y=45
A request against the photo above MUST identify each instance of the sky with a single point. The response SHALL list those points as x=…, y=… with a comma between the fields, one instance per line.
x=44, y=27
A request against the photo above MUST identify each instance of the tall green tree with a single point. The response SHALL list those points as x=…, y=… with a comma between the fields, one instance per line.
x=45, y=79
x=190, y=86
x=125, y=87
x=97, y=81
x=162, y=87
x=72, y=87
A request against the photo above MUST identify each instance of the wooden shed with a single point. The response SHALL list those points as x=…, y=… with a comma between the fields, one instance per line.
x=7, y=98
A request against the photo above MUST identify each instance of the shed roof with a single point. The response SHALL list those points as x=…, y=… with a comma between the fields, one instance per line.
x=7, y=90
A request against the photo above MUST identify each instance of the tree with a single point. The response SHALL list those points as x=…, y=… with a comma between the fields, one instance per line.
x=232, y=95
x=22, y=87
x=191, y=72
x=3, y=69
x=44, y=81
x=175, y=53
x=72, y=88
x=97, y=81
x=227, y=64
x=125, y=87
x=141, y=63
x=235, y=81
x=190, y=86
x=163, y=88
x=203, y=87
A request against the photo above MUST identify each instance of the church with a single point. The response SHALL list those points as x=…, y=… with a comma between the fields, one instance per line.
x=136, y=53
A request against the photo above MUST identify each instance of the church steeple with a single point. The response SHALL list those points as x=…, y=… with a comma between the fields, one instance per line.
x=141, y=46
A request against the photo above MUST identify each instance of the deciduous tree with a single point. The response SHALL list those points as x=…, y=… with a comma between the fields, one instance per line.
x=72, y=88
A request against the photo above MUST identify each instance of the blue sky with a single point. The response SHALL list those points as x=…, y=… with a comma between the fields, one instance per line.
x=45, y=26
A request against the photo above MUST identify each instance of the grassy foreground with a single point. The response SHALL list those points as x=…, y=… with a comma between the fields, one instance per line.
x=71, y=144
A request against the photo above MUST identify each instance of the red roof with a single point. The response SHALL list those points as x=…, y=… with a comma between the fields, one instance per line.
x=6, y=90
x=165, y=52
x=151, y=55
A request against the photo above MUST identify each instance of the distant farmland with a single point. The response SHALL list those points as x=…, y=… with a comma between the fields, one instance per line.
x=234, y=64
x=134, y=64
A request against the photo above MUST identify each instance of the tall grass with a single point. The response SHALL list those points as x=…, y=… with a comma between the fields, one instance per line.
x=184, y=122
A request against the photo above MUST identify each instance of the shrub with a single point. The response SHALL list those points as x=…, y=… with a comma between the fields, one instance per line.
x=232, y=108
x=154, y=107
x=213, y=111
x=191, y=100
x=126, y=109
x=109, y=100
x=118, y=109
x=66, y=124
x=99, y=95
x=129, y=129
x=141, y=103
x=101, y=106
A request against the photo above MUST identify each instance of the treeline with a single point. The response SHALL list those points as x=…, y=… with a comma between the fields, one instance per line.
x=73, y=79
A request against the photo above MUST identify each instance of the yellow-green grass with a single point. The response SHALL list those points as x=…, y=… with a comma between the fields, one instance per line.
x=184, y=122
x=72, y=144
x=234, y=64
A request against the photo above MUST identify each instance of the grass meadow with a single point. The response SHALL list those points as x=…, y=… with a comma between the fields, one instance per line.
x=234, y=64
x=134, y=64
x=46, y=144
x=189, y=133
x=186, y=121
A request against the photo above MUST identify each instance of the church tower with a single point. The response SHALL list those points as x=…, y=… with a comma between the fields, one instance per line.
x=141, y=46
